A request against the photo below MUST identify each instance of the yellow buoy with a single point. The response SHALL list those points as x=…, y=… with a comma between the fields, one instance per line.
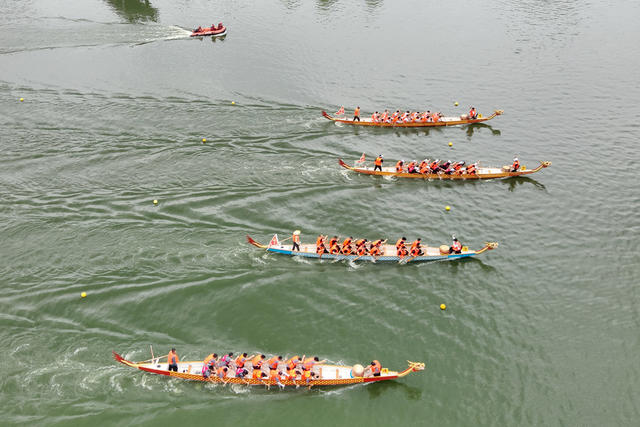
x=233, y=102
x=21, y=99
x=83, y=295
x=204, y=140
x=447, y=208
x=450, y=144
x=455, y=103
x=155, y=202
x=443, y=307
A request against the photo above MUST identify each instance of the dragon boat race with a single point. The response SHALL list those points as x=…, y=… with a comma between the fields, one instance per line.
x=320, y=212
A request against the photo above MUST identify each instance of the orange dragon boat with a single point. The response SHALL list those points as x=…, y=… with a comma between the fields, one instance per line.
x=480, y=173
x=443, y=121
x=387, y=252
x=324, y=374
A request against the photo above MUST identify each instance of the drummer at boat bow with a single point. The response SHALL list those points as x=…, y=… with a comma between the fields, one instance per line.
x=173, y=360
x=378, y=163
x=373, y=370
x=472, y=113
x=516, y=165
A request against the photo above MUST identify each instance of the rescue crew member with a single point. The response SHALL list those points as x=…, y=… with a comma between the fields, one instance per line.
x=296, y=241
x=173, y=360
x=378, y=163
x=399, y=166
x=416, y=249
x=456, y=246
x=473, y=114
x=516, y=165
x=356, y=114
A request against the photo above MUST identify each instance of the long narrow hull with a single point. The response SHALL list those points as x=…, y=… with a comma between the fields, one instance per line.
x=445, y=121
x=388, y=253
x=330, y=375
x=482, y=172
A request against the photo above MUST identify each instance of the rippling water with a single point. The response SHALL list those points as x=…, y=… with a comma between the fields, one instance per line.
x=117, y=98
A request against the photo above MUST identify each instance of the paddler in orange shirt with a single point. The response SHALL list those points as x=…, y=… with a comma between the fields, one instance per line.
x=516, y=165
x=173, y=360
x=356, y=114
x=378, y=163
x=346, y=246
x=399, y=166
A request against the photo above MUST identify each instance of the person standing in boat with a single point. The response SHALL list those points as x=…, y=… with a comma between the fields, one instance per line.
x=516, y=165
x=296, y=241
x=378, y=163
x=456, y=246
x=356, y=114
x=173, y=360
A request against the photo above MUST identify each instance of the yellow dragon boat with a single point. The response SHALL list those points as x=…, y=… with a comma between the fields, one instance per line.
x=325, y=374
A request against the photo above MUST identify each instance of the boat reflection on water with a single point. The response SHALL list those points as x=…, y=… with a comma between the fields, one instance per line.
x=134, y=10
x=477, y=126
x=519, y=180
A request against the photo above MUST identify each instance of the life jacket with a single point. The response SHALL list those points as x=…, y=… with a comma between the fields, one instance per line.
x=256, y=361
x=306, y=376
x=424, y=167
x=172, y=358
x=273, y=374
x=319, y=240
x=346, y=250
x=456, y=246
x=273, y=362
x=362, y=249
x=376, y=367
x=404, y=116
x=308, y=364
x=320, y=249
x=378, y=161
x=400, y=243
x=208, y=359
x=256, y=374
x=296, y=238
x=385, y=116
x=411, y=167
x=434, y=166
x=414, y=116
x=458, y=166
x=436, y=117
x=472, y=113
x=516, y=165
x=335, y=249
x=424, y=117
x=291, y=363
x=221, y=372
x=402, y=251
x=240, y=372
x=332, y=241
x=240, y=361
x=374, y=117
x=399, y=166
x=359, y=242
x=375, y=250
x=291, y=374
x=224, y=360
x=347, y=242
x=471, y=169
x=356, y=112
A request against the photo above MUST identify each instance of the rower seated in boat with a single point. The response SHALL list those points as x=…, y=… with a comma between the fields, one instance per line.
x=241, y=360
x=292, y=362
x=399, y=166
x=375, y=250
x=443, y=167
x=434, y=166
x=225, y=360
x=222, y=372
x=273, y=362
x=373, y=370
x=471, y=169
x=456, y=246
x=309, y=363
x=411, y=167
x=241, y=373
x=385, y=117
x=516, y=165
x=320, y=247
x=257, y=361
x=416, y=248
x=401, y=249
x=424, y=167
x=405, y=117
x=211, y=359
x=207, y=370
x=472, y=113
x=361, y=246
x=346, y=246
x=458, y=167
x=197, y=30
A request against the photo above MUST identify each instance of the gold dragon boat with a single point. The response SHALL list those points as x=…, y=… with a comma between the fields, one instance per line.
x=443, y=121
x=327, y=375
x=482, y=172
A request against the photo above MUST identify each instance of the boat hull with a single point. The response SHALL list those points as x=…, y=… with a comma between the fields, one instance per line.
x=445, y=121
x=482, y=173
x=216, y=33
x=333, y=375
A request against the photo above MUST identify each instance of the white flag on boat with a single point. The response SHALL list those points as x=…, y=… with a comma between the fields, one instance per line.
x=340, y=112
x=274, y=241
x=361, y=159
